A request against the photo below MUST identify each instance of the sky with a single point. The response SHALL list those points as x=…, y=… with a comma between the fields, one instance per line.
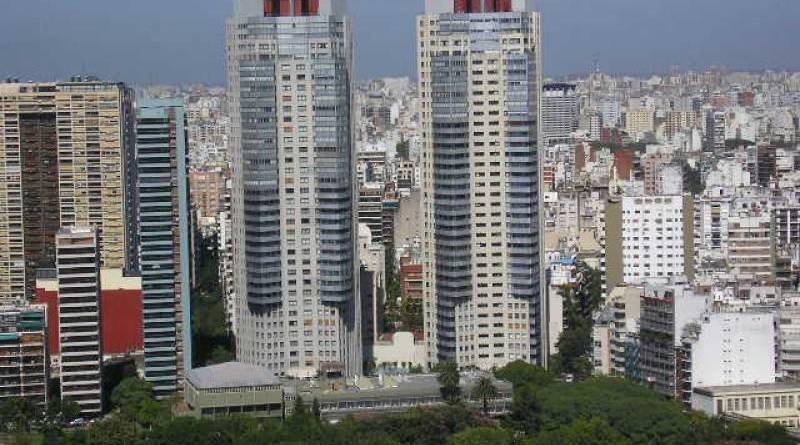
x=183, y=41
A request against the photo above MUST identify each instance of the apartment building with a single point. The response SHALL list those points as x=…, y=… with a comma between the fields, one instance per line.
x=715, y=130
x=640, y=121
x=208, y=191
x=66, y=160
x=649, y=237
x=294, y=196
x=479, y=81
x=165, y=239
x=559, y=112
x=79, y=312
x=23, y=354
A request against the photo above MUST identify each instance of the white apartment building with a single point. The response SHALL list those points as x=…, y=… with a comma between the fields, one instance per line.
x=788, y=339
x=78, y=273
x=669, y=180
x=296, y=274
x=652, y=238
x=559, y=112
x=479, y=81
x=732, y=348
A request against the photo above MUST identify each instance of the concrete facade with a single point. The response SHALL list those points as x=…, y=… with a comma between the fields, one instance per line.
x=65, y=161
x=479, y=81
x=296, y=274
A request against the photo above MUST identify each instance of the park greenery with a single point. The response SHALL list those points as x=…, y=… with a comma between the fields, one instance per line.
x=545, y=411
x=575, y=343
x=399, y=314
x=212, y=341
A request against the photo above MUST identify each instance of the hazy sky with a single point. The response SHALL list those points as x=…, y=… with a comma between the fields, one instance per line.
x=178, y=41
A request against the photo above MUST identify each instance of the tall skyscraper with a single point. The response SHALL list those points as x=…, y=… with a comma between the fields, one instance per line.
x=79, y=326
x=559, y=112
x=64, y=161
x=479, y=81
x=294, y=185
x=165, y=241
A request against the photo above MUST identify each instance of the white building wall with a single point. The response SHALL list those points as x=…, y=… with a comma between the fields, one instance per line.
x=734, y=349
x=652, y=237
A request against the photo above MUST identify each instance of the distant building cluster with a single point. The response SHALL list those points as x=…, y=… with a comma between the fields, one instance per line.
x=682, y=191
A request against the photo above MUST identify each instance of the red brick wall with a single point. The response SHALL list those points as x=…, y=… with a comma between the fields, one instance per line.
x=123, y=330
x=623, y=161
x=50, y=298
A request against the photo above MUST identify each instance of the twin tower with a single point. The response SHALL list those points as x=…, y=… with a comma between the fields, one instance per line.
x=290, y=77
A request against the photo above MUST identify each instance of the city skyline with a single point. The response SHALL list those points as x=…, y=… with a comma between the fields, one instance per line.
x=709, y=37
x=311, y=246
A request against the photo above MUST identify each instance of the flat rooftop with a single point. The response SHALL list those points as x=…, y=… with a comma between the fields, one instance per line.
x=747, y=389
x=231, y=375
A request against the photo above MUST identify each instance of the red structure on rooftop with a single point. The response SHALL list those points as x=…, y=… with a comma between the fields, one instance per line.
x=470, y=6
x=288, y=8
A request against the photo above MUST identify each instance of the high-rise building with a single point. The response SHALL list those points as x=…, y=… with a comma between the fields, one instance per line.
x=64, y=161
x=649, y=237
x=165, y=240
x=79, y=311
x=225, y=249
x=640, y=121
x=370, y=209
x=559, y=112
x=479, y=81
x=715, y=130
x=208, y=191
x=294, y=194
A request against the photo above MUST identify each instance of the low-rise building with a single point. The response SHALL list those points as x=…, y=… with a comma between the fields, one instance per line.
x=23, y=353
x=775, y=402
x=615, y=323
x=390, y=395
x=234, y=388
x=399, y=352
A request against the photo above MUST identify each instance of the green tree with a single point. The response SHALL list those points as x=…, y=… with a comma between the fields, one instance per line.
x=764, y=433
x=484, y=390
x=582, y=432
x=26, y=439
x=525, y=410
x=70, y=410
x=17, y=414
x=402, y=149
x=315, y=409
x=449, y=381
x=114, y=430
x=212, y=339
x=521, y=373
x=575, y=342
x=131, y=392
x=483, y=436
x=135, y=402
x=299, y=407
x=638, y=413
x=411, y=314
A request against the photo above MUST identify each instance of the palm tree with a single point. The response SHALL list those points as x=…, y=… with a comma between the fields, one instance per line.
x=449, y=381
x=484, y=390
